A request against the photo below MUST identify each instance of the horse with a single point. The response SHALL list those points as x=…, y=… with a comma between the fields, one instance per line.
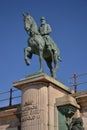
x=36, y=45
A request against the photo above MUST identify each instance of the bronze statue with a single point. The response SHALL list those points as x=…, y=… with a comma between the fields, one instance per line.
x=41, y=45
x=45, y=31
x=76, y=124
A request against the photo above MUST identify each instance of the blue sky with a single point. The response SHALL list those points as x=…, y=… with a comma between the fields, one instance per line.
x=68, y=19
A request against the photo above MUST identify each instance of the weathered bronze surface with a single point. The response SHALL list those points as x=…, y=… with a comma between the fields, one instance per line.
x=41, y=44
x=76, y=124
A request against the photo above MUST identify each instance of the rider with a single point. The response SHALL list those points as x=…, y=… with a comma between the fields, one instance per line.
x=45, y=30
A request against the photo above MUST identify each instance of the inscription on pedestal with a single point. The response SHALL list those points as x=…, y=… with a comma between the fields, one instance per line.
x=30, y=111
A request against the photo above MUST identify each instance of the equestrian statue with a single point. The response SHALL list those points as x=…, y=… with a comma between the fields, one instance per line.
x=41, y=44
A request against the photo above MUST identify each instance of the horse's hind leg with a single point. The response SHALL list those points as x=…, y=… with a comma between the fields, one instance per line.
x=41, y=60
x=55, y=65
x=49, y=64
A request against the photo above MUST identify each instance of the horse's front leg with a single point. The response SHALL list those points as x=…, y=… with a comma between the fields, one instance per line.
x=26, y=53
x=41, y=60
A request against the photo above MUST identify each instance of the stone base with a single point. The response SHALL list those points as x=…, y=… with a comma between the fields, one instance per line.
x=39, y=94
x=41, y=78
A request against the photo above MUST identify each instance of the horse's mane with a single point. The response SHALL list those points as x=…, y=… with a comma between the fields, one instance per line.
x=34, y=26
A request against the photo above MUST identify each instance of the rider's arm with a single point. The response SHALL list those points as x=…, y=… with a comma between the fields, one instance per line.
x=49, y=30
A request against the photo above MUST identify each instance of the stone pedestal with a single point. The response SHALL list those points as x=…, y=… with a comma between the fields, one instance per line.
x=38, y=108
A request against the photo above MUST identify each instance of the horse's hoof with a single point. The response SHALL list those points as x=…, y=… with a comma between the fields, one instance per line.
x=27, y=62
x=59, y=58
x=53, y=75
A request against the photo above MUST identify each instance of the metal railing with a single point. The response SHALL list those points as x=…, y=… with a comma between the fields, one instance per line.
x=9, y=98
x=76, y=80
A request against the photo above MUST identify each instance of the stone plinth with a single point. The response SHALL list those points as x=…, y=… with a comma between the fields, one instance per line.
x=67, y=100
x=39, y=94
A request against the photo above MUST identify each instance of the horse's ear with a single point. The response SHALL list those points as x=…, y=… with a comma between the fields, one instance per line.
x=24, y=14
x=27, y=13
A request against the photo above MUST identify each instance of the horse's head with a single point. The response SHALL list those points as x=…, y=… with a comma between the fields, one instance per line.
x=30, y=24
x=27, y=21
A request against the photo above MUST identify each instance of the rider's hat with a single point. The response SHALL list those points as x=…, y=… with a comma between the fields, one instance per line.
x=42, y=18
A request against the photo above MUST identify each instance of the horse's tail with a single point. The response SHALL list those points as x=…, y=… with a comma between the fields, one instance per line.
x=59, y=58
